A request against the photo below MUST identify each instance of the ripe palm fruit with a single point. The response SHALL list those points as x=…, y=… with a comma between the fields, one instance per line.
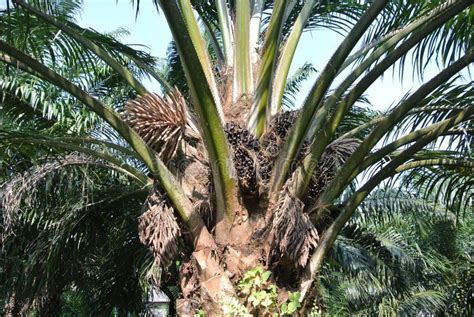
x=245, y=148
x=273, y=140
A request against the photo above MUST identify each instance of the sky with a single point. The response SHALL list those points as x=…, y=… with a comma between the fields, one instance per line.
x=150, y=31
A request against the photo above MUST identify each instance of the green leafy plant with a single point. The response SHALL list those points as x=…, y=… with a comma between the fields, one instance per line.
x=292, y=305
x=260, y=296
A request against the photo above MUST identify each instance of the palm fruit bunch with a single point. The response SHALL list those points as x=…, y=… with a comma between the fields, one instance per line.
x=283, y=122
x=333, y=157
x=245, y=147
x=273, y=140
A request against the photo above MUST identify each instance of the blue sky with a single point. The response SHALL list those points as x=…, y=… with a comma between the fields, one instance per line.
x=150, y=30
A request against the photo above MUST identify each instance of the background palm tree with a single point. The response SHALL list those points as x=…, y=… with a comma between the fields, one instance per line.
x=394, y=233
x=233, y=179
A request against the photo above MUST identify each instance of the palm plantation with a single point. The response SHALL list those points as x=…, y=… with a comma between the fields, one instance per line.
x=219, y=174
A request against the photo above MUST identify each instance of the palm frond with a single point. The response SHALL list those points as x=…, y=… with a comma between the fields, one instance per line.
x=294, y=83
x=391, y=233
x=451, y=39
x=333, y=15
x=451, y=186
x=445, y=101
x=81, y=237
x=22, y=189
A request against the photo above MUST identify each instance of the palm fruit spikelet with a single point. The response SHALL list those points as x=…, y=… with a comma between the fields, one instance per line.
x=163, y=122
x=158, y=228
x=245, y=148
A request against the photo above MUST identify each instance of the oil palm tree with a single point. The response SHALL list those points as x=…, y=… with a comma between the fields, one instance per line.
x=395, y=232
x=234, y=178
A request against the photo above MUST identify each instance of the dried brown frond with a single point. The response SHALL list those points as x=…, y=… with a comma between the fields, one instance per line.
x=158, y=228
x=163, y=122
x=191, y=295
x=21, y=189
x=204, y=209
x=293, y=235
x=340, y=150
x=193, y=175
x=239, y=110
x=225, y=82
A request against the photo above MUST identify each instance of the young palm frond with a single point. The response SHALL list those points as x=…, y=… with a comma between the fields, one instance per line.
x=293, y=85
x=174, y=72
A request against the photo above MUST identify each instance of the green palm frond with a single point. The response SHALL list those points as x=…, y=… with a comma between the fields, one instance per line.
x=422, y=301
x=101, y=82
x=451, y=40
x=294, y=83
x=85, y=238
x=174, y=72
x=450, y=186
x=360, y=115
x=392, y=233
x=334, y=15
x=55, y=48
x=440, y=104
x=22, y=103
